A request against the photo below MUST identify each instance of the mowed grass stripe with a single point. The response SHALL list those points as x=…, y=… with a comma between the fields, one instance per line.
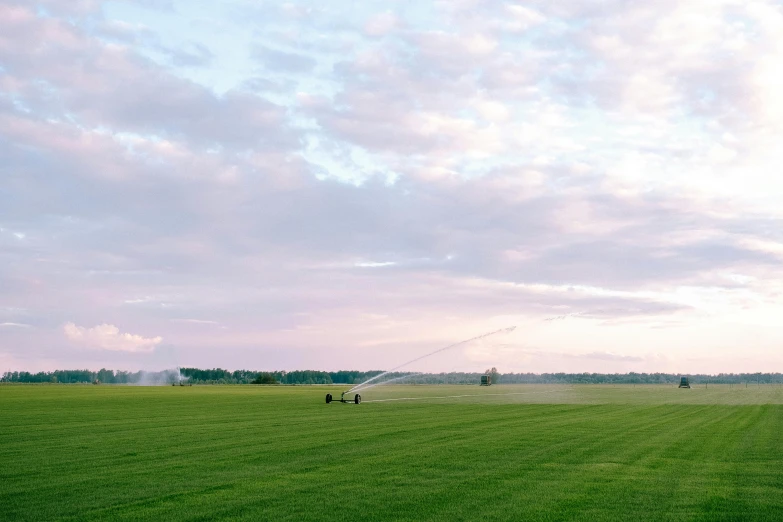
x=250, y=452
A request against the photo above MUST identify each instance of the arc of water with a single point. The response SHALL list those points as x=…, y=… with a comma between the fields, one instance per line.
x=387, y=382
x=371, y=379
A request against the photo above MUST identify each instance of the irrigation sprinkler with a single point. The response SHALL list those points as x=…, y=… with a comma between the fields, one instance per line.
x=356, y=399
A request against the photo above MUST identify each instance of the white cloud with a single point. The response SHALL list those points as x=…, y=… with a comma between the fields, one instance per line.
x=522, y=18
x=108, y=337
x=381, y=24
x=374, y=264
x=195, y=321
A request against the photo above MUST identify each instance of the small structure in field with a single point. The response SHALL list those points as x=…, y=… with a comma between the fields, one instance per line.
x=684, y=383
x=486, y=380
x=96, y=381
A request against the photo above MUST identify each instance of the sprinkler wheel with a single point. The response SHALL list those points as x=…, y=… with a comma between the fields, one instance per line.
x=357, y=399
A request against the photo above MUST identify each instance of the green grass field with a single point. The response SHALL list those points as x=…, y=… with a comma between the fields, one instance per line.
x=590, y=452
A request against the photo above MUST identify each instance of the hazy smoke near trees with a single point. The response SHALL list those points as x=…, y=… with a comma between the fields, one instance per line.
x=160, y=378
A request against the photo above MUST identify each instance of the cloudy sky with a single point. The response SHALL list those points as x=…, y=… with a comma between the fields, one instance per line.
x=351, y=184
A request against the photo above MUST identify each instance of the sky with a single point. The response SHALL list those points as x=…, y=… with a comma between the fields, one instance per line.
x=349, y=185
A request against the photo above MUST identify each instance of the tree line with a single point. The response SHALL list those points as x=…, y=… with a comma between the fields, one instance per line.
x=190, y=375
x=350, y=377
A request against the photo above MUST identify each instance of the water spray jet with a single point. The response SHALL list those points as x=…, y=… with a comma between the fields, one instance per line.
x=366, y=384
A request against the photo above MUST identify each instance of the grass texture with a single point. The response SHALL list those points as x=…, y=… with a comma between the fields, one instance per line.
x=516, y=452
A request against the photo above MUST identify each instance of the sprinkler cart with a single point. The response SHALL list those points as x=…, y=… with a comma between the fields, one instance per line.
x=356, y=399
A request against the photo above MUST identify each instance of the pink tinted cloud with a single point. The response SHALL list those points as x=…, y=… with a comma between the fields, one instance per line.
x=108, y=337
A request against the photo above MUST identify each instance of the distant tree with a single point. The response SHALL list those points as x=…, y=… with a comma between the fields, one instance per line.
x=493, y=375
x=265, y=378
x=105, y=375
